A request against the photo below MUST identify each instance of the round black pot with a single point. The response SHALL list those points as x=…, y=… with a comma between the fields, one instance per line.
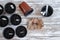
x=15, y=19
x=21, y=31
x=8, y=33
x=10, y=8
x=1, y=9
x=47, y=11
x=4, y=21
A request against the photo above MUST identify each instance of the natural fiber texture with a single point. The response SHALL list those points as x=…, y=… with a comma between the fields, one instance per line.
x=35, y=23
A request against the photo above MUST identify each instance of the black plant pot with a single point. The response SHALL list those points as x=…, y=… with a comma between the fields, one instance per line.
x=1, y=9
x=10, y=8
x=21, y=31
x=47, y=11
x=8, y=33
x=4, y=21
x=15, y=19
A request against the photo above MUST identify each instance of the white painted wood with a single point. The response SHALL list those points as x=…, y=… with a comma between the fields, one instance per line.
x=51, y=29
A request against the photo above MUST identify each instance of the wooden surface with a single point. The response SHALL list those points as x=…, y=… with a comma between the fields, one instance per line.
x=51, y=29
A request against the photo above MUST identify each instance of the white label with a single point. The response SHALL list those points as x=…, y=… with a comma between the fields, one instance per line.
x=10, y=33
x=4, y=19
x=12, y=6
x=0, y=8
x=22, y=32
x=17, y=19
